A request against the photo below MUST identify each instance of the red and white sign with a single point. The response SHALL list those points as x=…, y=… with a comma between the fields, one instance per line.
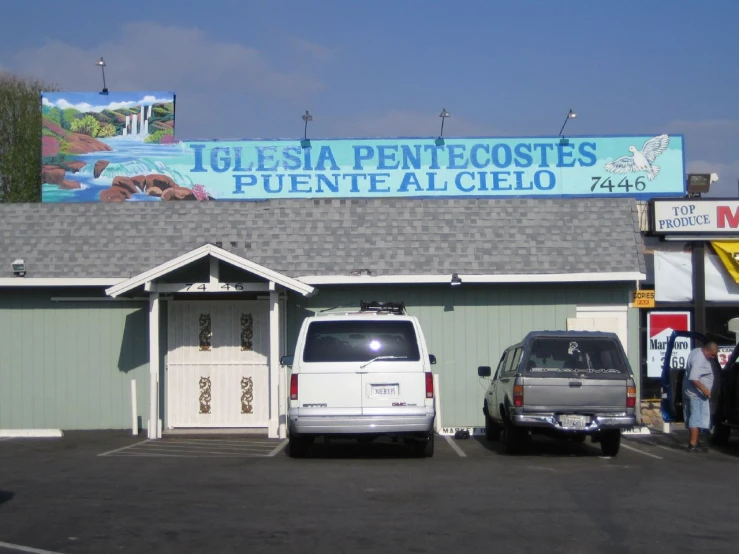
x=660, y=326
x=718, y=217
x=723, y=354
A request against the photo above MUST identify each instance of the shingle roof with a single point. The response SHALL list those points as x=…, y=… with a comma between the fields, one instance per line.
x=329, y=237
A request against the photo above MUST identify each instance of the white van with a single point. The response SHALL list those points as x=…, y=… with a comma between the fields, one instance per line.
x=362, y=375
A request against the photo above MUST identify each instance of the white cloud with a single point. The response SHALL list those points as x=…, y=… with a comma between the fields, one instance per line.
x=85, y=107
x=728, y=173
x=405, y=123
x=151, y=56
x=709, y=125
x=313, y=50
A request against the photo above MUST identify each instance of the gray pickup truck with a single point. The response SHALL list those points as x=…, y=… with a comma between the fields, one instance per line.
x=569, y=384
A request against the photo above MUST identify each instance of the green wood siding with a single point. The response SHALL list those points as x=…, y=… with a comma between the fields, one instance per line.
x=68, y=365
x=471, y=325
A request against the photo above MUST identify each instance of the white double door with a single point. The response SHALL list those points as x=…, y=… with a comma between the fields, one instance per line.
x=218, y=364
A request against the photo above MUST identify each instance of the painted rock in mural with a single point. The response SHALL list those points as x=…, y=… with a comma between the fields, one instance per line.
x=100, y=166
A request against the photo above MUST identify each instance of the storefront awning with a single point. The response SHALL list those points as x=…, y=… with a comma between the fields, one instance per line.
x=728, y=252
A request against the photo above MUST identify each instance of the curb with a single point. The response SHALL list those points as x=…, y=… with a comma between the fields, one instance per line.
x=30, y=433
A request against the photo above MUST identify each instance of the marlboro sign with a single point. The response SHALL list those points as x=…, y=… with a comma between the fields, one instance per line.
x=660, y=326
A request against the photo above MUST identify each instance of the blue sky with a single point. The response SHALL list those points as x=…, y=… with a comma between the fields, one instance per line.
x=248, y=69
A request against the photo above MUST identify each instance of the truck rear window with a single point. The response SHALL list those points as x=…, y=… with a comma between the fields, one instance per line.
x=360, y=341
x=563, y=356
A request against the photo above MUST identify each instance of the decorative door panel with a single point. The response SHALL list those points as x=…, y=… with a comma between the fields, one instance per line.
x=218, y=364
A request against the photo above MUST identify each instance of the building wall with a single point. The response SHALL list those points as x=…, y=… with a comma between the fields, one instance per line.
x=68, y=365
x=471, y=325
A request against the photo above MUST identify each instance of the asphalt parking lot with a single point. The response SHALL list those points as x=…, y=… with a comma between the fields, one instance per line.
x=110, y=492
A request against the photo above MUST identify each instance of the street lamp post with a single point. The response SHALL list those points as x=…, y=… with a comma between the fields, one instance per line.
x=101, y=63
x=570, y=115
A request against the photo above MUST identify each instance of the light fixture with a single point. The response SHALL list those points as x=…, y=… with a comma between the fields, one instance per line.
x=101, y=63
x=570, y=115
x=443, y=115
x=19, y=268
x=698, y=183
x=305, y=143
x=456, y=281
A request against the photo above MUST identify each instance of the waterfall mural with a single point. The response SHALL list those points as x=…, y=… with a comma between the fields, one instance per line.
x=89, y=139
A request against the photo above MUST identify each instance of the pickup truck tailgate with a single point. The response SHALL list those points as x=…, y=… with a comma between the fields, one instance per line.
x=572, y=394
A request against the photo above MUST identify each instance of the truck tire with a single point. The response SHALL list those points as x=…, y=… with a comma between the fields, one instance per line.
x=512, y=437
x=720, y=434
x=610, y=442
x=492, y=430
x=424, y=448
x=298, y=446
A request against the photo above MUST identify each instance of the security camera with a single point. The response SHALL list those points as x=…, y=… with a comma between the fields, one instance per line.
x=19, y=268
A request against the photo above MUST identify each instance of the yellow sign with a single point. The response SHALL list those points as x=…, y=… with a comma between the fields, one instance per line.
x=642, y=299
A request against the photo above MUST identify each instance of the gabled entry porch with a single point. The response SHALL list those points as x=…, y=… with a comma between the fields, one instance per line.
x=225, y=331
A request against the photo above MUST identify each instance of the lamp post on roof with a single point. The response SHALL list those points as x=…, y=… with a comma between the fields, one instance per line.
x=305, y=143
x=101, y=63
x=443, y=115
x=570, y=115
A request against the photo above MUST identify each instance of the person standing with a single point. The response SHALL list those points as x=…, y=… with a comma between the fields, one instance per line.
x=697, y=386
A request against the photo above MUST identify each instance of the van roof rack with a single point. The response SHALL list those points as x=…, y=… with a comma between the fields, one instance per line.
x=389, y=307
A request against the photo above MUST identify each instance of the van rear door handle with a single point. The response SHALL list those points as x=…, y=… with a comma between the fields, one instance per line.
x=575, y=384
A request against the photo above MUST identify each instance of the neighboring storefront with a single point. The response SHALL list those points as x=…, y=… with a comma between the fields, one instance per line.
x=693, y=272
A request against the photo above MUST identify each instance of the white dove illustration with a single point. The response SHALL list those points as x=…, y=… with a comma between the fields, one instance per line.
x=641, y=160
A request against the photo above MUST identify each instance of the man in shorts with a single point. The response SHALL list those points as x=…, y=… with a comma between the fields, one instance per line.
x=697, y=386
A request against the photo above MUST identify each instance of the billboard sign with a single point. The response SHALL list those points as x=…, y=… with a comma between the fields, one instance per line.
x=660, y=326
x=121, y=147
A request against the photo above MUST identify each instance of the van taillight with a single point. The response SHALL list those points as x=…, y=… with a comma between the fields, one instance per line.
x=429, y=385
x=518, y=395
x=630, y=397
x=294, y=386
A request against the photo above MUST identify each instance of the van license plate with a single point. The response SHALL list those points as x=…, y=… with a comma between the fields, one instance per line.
x=574, y=421
x=384, y=391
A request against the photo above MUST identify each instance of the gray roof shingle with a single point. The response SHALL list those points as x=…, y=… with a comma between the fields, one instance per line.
x=329, y=237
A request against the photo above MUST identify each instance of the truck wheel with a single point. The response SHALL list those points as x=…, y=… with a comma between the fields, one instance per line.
x=720, y=434
x=512, y=437
x=298, y=446
x=492, y=430
x=424, y=448
x=610, y=442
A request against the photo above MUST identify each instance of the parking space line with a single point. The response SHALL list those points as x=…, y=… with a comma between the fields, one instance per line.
x=20, y=548
x=190, y=448
x=124, y=448
x=218, y=441
x=277, y=450
x=455, y=447
x=671, y=449
x=641, y=452
x=185, y=455
x=167, y=444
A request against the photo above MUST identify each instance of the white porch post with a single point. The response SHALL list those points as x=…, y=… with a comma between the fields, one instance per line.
x=153, y=426
x=274, y=361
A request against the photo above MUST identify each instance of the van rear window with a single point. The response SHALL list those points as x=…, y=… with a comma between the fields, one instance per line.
x=581, y=356
x=360, y=341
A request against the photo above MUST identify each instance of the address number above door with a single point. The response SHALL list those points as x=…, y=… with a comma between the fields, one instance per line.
x=199, y=288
